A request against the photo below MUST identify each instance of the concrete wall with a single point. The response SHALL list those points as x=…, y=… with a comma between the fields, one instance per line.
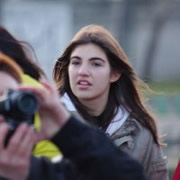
x=46, y=26
x=49, y=25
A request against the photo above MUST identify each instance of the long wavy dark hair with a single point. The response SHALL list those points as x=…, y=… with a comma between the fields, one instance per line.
x=17, y=50
x=123, y=93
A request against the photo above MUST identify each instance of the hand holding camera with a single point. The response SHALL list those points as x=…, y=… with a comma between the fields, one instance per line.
x=18, y=106
x=52, y=113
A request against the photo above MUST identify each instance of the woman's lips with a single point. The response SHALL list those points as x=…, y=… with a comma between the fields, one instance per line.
x=83, y=84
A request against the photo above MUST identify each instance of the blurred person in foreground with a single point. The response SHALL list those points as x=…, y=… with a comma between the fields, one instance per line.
x=97, y=77
x=88, y=153
x=22, y=53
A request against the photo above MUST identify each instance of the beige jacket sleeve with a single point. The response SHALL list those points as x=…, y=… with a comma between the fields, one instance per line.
x=138, y=142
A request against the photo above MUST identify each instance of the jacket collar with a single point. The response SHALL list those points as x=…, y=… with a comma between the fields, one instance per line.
x=115, y=124
x=118, y=121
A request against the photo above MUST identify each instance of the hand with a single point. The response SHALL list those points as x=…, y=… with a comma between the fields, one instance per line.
x=15, y=158
x=52, y=113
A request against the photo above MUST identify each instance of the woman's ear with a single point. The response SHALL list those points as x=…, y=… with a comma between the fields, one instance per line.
x=115, y=76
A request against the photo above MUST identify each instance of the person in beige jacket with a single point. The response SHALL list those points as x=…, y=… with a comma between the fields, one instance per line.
x=98, y=83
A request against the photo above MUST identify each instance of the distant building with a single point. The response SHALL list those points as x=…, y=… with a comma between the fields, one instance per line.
x=49, y=25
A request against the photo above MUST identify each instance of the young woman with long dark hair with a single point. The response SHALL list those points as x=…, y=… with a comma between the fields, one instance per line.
x=97, y=77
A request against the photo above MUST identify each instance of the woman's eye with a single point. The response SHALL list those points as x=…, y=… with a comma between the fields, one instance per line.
x=96, y=64
x=75, y=62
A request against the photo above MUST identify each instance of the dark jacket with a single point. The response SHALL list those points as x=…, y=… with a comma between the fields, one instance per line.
x=88, y=155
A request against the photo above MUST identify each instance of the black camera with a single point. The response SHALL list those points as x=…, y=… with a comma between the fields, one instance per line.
x=18, y=106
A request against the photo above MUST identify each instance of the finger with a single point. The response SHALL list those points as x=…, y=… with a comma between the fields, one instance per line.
x=39, y=92
x=1, y=119
x=27, y=143
x=4, y=128
x=17, y=138
x=48, y=86
x=30, y=88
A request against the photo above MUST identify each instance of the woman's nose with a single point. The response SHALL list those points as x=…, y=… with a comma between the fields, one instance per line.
x=83, y=70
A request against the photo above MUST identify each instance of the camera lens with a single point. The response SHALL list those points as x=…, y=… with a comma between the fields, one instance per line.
x=27, y=103
x=19, y=106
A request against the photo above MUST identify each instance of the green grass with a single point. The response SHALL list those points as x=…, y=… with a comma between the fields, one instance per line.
x=171, y=172
x=166, y=87
x=165, y=97
x=162, y=99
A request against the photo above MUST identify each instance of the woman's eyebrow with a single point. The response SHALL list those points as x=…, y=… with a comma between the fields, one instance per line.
x=75, y=57
x=96, y=58
x=90, y=59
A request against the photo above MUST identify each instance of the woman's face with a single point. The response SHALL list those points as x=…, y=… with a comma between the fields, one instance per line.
x=90, y=73
x=7, y=82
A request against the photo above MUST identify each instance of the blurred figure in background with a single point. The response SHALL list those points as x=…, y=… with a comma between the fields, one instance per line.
x=176, y=175
x=100, y=86
x=32, y=73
